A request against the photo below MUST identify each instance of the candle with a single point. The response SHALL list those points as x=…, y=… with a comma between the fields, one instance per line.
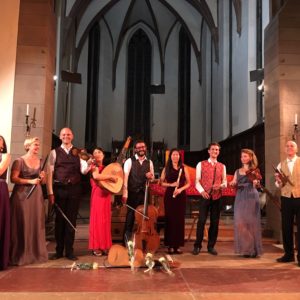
x=296, y=119
x=27, y=110
x=34, y=111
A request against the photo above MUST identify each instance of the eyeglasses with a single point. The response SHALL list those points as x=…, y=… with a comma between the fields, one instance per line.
x=141, y=147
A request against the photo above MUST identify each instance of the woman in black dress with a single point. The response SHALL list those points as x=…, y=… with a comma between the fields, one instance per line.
x=176, y=180
x=4, y=206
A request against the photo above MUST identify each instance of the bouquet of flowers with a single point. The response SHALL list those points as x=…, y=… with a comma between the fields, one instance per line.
x=84, y=266
x=130, y=247
x=165, y=266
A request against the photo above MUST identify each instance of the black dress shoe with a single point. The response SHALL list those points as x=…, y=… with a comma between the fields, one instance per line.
x=285, y=259
x=71, y=257
x=55, y=256
x=196, y=251
x=212, y=251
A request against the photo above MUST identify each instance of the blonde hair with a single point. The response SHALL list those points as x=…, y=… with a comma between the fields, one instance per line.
x=29, y=141
x=253, y=159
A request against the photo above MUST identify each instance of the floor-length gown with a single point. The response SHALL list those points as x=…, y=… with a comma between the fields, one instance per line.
x=100, y=217
x=247, y=220
x=28, y=243
x=174, y=211
x=4, y=221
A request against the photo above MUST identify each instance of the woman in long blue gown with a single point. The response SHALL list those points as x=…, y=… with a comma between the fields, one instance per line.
x=247, y=219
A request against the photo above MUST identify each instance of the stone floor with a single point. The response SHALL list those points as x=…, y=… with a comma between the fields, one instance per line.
x=225, y=276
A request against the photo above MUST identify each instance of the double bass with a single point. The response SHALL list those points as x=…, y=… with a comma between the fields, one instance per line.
x=146, y=237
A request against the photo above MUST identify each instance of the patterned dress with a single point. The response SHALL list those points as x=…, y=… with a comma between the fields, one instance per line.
x=28, y=243
x=4, y=221
x=247, y=221
x=174, y=211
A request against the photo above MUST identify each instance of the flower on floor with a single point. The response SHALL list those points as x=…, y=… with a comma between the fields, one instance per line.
x=165, y=265
x=149, y=262
x=84, y=266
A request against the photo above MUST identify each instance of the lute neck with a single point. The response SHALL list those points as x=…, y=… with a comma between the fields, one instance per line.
x=122, y=156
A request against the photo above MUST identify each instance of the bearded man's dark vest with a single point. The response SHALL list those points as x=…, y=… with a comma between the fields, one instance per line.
x=137, y=175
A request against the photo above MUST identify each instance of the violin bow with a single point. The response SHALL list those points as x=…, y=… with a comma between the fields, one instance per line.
x=137, y=211
x=35, y=185
x=65, y=217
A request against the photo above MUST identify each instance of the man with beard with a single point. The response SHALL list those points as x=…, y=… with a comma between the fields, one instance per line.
x=137, y=170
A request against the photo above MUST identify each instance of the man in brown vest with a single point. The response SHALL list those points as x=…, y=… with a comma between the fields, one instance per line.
x=210, y=179
x=63, y=186
x=137, y=170
x=290, y=201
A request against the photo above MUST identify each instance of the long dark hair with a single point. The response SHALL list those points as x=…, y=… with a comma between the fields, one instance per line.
x=98, y=148
x=4, y=149
x=169, y=165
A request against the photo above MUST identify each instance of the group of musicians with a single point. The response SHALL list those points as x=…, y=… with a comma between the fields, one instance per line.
x=63, y=173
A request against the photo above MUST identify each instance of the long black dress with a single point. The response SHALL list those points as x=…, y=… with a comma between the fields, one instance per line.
x=28, y=243
x=4, y=221
x=174, y=211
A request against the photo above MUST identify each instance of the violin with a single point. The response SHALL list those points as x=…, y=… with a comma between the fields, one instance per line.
x=146, y=237
x=82, y=153
x=283, y=177
x=253, y=174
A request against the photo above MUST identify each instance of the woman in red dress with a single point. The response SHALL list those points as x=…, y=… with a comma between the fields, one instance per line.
x=100, y=213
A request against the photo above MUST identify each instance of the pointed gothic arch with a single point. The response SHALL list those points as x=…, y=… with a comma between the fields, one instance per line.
x=138, y=106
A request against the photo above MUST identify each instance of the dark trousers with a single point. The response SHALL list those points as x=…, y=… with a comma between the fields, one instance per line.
x=134, y=200
x=67, y=197
x=213, y=207
x=290, y=208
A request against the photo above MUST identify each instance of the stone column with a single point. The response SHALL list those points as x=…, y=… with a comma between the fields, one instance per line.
x=35, y=67
x=9, y=18
x=282, y=92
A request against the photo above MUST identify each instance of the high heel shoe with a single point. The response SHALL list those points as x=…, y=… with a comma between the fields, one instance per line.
x=171, y=250
x=178, y=251
x=95, y=253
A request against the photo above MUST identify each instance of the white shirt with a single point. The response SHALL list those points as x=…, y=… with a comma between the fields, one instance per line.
x=290, y=164
x=198, y=185
x=127, y=168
